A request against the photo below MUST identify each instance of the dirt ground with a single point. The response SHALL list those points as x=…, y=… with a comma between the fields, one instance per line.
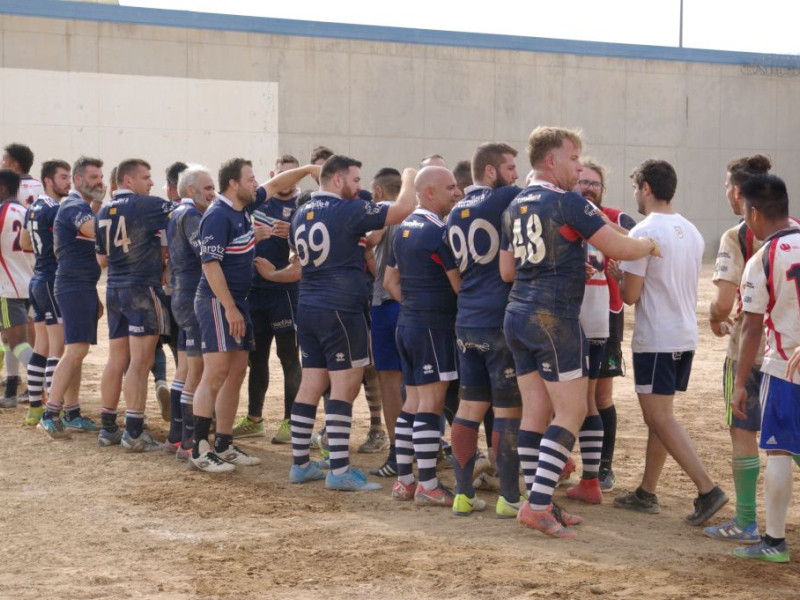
x=81, y=522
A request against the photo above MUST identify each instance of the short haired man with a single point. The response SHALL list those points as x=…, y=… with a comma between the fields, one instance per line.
x=14, y=277
x=326, y=233
x=319, y=155
x=541, y=251
x=736, y=247
x=75, y=288
x=423, y=276
x=129, y=244
x=19, y=158
x=771, y=296
x=488, y=377
x=664, y=291
x=463, y=174
x=38, y=237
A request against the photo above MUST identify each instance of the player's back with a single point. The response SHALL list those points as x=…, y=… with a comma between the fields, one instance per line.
x=183, y=241
x=128, y=234
x=39, y=221
x=473, y=231
x=17, y=271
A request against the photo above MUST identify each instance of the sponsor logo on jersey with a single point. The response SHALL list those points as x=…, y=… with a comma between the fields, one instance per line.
x=310, y=216
x=112, y=211
x=372, y=209
x=282, y=323
x=723, y=255
x=287, y=212
x=406, y=233
x=465, y=213
x=523, y=210
x=785, y=247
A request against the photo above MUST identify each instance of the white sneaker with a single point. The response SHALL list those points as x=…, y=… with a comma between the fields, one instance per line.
x=235, y=456
x=208, y=461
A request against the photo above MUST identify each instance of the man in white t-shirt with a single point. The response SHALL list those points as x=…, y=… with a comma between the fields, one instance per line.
x=665, y=337
x=770, y=294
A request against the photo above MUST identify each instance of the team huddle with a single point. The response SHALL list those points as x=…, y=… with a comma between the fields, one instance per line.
x=460, y=301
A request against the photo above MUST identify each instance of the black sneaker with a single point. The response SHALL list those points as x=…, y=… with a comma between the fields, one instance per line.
x=706, y=506
x=607, y=479
x=634, y=501
x=387, y=469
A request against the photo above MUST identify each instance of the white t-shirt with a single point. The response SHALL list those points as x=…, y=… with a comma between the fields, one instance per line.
x=594, y=309
x=15, y=268
x=771, y=286
x=665, y=318
x=29, y=190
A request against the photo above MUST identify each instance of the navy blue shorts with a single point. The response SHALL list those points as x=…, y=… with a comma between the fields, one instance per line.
x=662, y=373
x=79, y=316
x=278, y=308
x=780, y=409
x=597, y=350
x=215, y=333
x=752, y=421
x=427, y=355
x=384, y=347
x=189, y=341
x=332, y=339
x=554, y=346
x=136, y=311
x=43, y=301
x=487, y=367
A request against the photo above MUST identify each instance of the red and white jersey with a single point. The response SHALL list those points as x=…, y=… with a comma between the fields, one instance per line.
x=29, y=190
x=771, y=286
x=594, y=308
x=15, y=267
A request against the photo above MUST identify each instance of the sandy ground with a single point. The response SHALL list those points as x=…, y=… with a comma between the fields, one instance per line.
x=80, y=522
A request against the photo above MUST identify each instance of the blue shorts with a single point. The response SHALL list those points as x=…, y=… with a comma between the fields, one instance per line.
x=43, y=301
x=753, y=403
x=384, y=347
x=662, y=373
x=554, y=346
x=279, y=308
x=427, y=355
x=597, y=350
x=79, y=316
x=487, y=367
x=189, y=341
x=136, y=311
x=780, y=409
x=332, y=339
x=215, y=333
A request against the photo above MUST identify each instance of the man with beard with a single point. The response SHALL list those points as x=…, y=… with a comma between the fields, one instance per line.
x=75, y=287
x=488, y=377
x=226, y=331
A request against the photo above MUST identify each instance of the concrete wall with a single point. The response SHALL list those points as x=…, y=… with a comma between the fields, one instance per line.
x=386, y=103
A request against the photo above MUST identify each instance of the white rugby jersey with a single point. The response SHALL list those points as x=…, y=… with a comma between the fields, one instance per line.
x=771, y=286
x=15, y=267
x=594, y=309
x=29, y=190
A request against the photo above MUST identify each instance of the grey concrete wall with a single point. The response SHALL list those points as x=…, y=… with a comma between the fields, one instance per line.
x=391, y=103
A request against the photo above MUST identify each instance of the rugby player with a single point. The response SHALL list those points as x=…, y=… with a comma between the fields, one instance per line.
x=423, y=276
x=129, y=244
x=664, y=290
x=19, y=158
x=488, y=377
x=332, y=330
x=771, y=297
x=541, y=251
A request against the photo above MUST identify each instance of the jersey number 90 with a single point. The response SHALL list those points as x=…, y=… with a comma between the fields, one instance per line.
x=319, y=243
x=464, y=245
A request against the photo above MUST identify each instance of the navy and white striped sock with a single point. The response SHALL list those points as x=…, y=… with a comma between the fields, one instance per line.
x=52, y=363
x=302, y=423
x=427, y=439
x=338, y=420
x=404, y=447
x=590, y=439
x=528, y=450
x=554, y=451
x=36, y=370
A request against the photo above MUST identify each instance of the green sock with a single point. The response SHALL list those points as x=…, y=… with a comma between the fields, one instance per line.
x=745, y=478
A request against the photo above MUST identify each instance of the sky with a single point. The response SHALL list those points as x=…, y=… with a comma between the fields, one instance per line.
x=762, y=26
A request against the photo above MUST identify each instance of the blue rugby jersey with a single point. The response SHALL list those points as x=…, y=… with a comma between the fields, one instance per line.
x=77, y=269
x=39, y=219
x=421, y=254
x=226, y=236
x=183, y=241
x=327, y=233
x=545, y=227
x=128, y=233
x=473, y=232
x=274, y=249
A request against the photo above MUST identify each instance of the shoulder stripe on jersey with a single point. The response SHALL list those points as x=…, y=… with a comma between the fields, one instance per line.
x=773, y=244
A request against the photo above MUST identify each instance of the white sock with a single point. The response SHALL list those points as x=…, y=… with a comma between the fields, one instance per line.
x=777, y=493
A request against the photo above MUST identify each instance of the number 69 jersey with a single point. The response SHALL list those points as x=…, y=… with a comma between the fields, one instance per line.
x=15, y=270
x=771, y=286
x=473, y=232
x=128, y=234
x=326, y=233
x=545, y=227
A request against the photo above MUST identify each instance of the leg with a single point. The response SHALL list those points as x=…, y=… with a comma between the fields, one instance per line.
x=135, y=385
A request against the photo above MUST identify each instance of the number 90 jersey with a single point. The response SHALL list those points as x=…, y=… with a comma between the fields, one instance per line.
x=327, y=234
x=544, y=227
x=473, y=232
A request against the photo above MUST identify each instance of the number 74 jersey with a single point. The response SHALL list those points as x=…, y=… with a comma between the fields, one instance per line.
x=545, y=227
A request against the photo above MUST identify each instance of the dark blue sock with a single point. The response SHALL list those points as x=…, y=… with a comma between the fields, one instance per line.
x=464, y=436
x=176, y=418
x=504, y=443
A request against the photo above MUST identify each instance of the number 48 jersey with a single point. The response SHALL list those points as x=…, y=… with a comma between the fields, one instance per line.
x=545, y=227
x=473, y=232
x=15, y=269
x=128, y=234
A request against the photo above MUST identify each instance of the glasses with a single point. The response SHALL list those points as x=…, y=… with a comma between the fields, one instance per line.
x=585, y=183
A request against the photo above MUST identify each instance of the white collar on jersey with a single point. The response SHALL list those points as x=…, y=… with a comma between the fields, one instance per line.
x=323, y=193
x=222, y=198
x=187, y=201
x=121, y=191
x=546, y=184
x=471, y=188
x=424, y=211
